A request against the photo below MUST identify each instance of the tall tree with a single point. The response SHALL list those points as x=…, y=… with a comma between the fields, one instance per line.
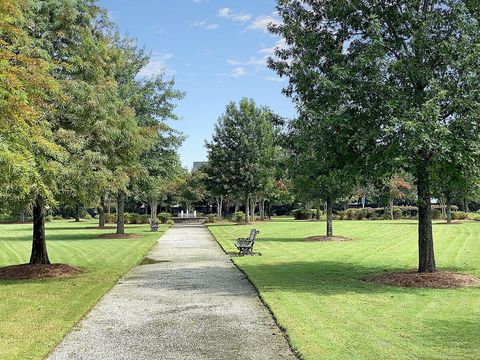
x=28, y=153
x=404, y=72
x=240, y=149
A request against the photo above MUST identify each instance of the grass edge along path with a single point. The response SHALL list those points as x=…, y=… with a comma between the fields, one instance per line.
x=37, y=314
x=318, y=293
x=294, y=350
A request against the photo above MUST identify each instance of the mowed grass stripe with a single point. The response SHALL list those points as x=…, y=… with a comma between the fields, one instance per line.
x=318, y=293
x=37, y=314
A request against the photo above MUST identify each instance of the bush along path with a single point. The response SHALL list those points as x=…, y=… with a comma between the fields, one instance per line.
x=187, y=301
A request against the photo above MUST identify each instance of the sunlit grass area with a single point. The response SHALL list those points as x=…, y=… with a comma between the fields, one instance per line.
x=36, y=314
x=318, y=294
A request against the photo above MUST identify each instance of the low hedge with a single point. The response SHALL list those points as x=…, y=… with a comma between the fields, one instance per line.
x=164, y=217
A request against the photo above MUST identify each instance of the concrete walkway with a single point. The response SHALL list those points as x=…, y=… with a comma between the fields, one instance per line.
x=195, y=304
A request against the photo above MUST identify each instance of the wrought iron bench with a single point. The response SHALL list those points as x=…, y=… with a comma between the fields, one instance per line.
x=245, y=245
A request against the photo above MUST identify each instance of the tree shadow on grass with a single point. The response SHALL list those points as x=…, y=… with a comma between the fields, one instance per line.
x=302, y=239
x=324, y=278
x=454, y=334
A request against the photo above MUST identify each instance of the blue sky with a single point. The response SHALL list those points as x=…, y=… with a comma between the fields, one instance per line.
x=216, y=51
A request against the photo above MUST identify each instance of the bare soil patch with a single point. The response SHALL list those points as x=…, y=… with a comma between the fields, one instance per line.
x=121, y=236
x=436, y=280
x=327, y=238
x=29, y=272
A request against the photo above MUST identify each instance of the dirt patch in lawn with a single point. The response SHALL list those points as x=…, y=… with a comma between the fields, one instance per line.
x=327, y=238
x=121, y=236
x=29, y=272
x=436, y=280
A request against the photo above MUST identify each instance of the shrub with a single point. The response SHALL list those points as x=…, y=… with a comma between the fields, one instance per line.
x=170, y=222
x=361, y=214
x=397, y=213
x=437, y=214
x=48, y=218
x=475, y=217
x=342, y=215
x=459, y=215
x=58, y=217
x=145, y=219
x=211, y=218
x=127, y=218
x=88, y=216
x=164, y=217
x=239, y=216
x=110, y=218
x=302, y=214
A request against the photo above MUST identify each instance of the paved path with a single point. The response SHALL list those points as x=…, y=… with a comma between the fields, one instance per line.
x=194, y=305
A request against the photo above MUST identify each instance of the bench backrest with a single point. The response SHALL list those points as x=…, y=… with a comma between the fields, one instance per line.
x=253, y=235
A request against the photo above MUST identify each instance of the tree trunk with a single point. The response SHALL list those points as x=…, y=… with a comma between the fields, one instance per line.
x=153, y=209
x=247, y=209
x=329, y=217
x=391, y=208
x=236, y=208
x=77, y=213
x=219, y=206
x=443, y=207
x=426, y=255
x=449, y=209
x=101, y=212
x=39, y=253
x=121, y=213
x=363, y=201
x=252, y=209
x=467, y=210
x=261, y=207
x=318, y=211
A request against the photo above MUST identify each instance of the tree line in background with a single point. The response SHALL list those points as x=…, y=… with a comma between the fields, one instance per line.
x=79, y=124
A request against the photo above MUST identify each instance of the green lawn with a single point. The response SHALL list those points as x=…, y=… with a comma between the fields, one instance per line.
x=317, y=292
x=35, y=315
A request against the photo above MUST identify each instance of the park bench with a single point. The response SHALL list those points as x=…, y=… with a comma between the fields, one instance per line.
x=245, y=245
x=153, y=226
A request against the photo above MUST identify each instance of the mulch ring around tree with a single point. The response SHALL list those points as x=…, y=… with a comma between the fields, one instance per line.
x=436, y=280
x=121, y=236
x=40, y=271
x=327, y=238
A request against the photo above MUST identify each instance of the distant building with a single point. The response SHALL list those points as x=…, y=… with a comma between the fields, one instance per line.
x=198, y=164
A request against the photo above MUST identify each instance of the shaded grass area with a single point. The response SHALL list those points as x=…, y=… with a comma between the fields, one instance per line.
x=318, y=292
x=36, y=314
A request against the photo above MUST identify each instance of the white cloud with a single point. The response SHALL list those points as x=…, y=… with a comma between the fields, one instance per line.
x=206, y=25
x=261, y=22
x=280, y=44
x=236, y=17
x=239, y=71
x=225, y=12
x=256, y=65
x=242, y=18
x=274, y=78
x=234, y=62
x=157, y=66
